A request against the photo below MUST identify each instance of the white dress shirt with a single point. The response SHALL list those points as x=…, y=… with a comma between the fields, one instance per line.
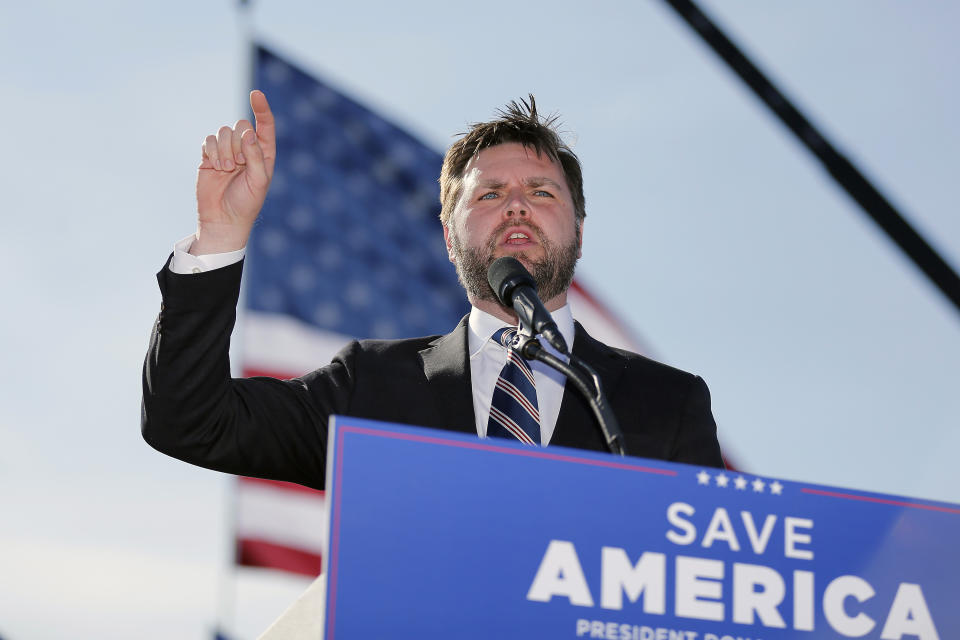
x=184, y=262
x=486, y=356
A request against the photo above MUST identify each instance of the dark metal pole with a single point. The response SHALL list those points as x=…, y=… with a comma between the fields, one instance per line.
x=843, y=171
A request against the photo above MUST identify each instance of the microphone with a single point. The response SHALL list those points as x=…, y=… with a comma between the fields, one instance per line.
x=516, y=288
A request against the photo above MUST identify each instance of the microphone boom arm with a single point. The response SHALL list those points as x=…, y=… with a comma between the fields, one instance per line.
x=587, y=382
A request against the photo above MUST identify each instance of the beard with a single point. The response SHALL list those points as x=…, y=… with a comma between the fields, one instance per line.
x=553, y=273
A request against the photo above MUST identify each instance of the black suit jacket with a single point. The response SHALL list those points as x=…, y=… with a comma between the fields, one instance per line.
x=194, y=410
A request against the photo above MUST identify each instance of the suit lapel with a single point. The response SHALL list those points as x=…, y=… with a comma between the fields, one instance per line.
x=447, y=369
x=576, y=425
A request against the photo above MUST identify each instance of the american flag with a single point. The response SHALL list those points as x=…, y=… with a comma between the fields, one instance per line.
x=349, y=244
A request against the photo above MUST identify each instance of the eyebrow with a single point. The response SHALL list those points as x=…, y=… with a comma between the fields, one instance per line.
x=539, y=181
x=533, y=181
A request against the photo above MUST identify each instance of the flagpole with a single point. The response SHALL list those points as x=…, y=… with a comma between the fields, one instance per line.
x=227, y=579
x=226, y=613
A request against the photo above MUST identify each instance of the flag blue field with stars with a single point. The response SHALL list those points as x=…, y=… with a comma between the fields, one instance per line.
x=349, y=240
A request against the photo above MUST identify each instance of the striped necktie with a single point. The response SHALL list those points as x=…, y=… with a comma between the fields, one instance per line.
x=513, y=411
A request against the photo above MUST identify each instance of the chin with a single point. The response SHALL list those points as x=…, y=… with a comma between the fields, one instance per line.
x=523, y=255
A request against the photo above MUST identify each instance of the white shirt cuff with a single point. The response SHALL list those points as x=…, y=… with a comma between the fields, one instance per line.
x=186, y=263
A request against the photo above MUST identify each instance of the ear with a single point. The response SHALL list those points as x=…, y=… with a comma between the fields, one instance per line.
x=447, y=239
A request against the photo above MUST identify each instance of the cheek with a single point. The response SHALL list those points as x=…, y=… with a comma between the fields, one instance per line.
x=459, y=225
x=469, y=222
x=462, y=230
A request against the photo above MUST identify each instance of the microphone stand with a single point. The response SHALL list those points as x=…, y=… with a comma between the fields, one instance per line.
x=587, y=382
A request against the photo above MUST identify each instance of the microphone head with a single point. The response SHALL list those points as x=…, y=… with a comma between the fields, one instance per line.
x=505, y=275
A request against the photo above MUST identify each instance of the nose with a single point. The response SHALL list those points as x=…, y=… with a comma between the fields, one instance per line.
x=517, y=204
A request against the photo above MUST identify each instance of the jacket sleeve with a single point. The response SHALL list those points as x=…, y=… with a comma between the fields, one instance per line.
x=194, y=411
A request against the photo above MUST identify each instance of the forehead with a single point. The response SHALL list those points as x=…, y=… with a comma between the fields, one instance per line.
x=513, y=159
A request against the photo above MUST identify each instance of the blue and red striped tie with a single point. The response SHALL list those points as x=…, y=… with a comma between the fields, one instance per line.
x=513, y=411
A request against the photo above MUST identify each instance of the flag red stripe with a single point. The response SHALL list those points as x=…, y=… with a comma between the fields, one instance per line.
x=282, y=486
x=250, y=372
x=260, y=553
x=599, y=307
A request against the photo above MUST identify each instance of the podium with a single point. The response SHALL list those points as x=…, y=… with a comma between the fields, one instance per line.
x=441, y=535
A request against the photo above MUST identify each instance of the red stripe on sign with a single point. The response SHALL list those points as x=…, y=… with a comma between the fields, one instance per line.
x=484, y=445
x=896, y=503
x=334, y=538
x=260, y=553
x=282, y=486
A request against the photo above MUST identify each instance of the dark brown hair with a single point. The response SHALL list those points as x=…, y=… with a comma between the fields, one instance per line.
x=517, y=122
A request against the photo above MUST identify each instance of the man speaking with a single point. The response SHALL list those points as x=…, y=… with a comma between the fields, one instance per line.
x=509, y=187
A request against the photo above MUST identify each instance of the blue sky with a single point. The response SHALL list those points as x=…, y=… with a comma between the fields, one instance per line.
x=713, y=232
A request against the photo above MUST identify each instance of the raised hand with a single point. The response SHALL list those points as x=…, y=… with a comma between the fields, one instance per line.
x=233, y=179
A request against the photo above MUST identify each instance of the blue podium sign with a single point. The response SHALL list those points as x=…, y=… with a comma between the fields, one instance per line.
x=441, y=535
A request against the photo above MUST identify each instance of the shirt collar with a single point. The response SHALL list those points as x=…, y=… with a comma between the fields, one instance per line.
x=482, y=325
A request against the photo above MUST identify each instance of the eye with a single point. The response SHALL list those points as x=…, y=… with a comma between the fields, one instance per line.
x=489, y=196
x=543, y=194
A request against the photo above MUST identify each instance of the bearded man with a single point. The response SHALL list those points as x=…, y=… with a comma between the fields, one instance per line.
x=509, y=187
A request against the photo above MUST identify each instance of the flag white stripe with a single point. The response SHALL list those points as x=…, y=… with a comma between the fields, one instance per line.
x=281, y=516
x=280, y=344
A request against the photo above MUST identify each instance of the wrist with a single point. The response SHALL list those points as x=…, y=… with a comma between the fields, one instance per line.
x=212, y=237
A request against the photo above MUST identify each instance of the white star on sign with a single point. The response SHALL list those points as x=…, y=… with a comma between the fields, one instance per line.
x=740, y=482
x=758, y=485
x=703, y=478
x=722, y=480
x=776, y=488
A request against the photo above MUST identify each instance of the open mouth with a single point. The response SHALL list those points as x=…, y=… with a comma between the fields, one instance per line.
x=518, y=238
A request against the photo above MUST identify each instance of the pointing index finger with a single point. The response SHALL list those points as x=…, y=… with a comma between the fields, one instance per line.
x=266, y=129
